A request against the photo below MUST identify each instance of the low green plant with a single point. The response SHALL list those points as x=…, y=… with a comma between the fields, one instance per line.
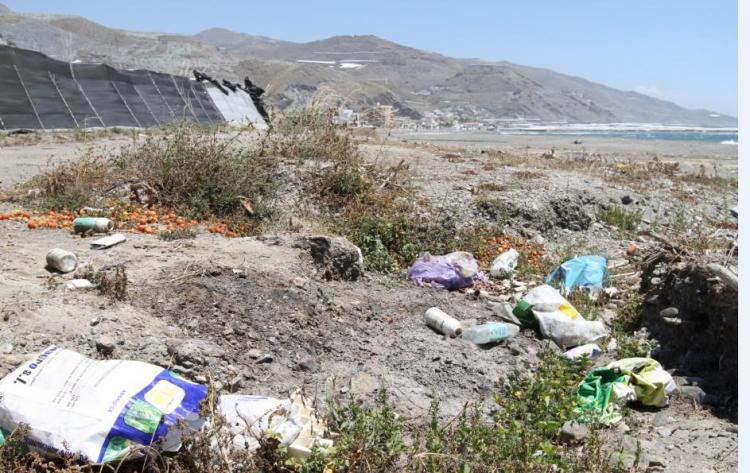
x=177, y=234
x=620, y=217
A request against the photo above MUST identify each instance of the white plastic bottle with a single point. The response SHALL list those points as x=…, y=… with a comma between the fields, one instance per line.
x=491, y=332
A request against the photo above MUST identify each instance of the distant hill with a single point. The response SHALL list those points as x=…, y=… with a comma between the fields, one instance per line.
x=355, y=71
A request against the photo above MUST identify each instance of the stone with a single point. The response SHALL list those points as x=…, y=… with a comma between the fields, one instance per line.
x=95, y=321
x=335, y=257
x=307, y=363
x=574, y=432
x=629, y=455
x=266, y=358
x=6, y=348
x=670, y=312
x=299, y=282
x=105, y=345
x=626, y=200
x=693, y=393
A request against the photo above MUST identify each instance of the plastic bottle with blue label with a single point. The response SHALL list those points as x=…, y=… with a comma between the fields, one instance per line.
x=491, y=332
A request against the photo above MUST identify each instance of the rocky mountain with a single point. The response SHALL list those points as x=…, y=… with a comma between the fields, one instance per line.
x=355, y=71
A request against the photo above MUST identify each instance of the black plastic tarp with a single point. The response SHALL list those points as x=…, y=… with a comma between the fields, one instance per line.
x=38, y=92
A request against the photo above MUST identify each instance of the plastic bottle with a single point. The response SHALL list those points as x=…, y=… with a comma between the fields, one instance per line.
x=491, y=332
x=61, y=260
x=442, y=322
x=94, y=224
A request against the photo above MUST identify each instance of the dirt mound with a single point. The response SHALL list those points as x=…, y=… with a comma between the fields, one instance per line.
x=695, y=322
x=267, y=337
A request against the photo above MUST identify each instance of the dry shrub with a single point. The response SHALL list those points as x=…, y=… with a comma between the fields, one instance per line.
x=308, y=133
x=527, y=175
x=492, y=187
x=200, y=173
x=73, y=184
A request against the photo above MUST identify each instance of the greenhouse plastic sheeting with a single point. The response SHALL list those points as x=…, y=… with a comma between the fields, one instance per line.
x=39, y=92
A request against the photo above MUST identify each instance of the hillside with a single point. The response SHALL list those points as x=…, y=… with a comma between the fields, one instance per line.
x=355, y=71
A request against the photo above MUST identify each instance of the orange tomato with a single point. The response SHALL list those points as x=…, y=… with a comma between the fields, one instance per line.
x=31, y=224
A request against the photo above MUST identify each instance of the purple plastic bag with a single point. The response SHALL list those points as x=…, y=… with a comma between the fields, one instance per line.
x=455, y=270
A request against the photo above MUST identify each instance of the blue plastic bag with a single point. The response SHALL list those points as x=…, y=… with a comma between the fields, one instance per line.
x=583, y=271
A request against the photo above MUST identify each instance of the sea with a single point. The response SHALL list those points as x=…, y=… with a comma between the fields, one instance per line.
x=722, y=137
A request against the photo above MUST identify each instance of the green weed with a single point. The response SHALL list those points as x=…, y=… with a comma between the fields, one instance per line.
x=620, y=217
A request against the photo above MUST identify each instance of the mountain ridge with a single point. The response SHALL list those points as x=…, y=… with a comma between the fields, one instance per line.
x=355, y=71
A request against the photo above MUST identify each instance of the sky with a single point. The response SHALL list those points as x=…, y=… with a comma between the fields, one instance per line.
x=684, y=51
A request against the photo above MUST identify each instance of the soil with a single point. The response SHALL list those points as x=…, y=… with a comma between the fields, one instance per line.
x=257, y=316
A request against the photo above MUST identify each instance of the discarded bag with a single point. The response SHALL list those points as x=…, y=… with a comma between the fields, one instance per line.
x=504, y=265
x=107, y=241
x=629, y=379
x=104, y=409
x=591, y=350
x=292, y=421
x=583, y=271
x=455, y=270
x=558, y=320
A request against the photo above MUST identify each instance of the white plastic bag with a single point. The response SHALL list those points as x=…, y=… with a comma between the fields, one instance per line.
x=250, y=417
x=504, y=265
x=103, y=409
x=558, y=320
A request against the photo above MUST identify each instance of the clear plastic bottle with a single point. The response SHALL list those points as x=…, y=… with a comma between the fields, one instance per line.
x=491, y=332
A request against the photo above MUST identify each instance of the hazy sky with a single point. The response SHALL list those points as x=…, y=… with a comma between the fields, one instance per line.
x=679, y=50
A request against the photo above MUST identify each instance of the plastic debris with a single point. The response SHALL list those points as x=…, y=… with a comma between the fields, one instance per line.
x=108, y=241
x=582, y=271
x=557, y=319
x=61, y=260
x=629, y=379
x=79, y=284
x=491, y=332
x=104, y=409
x=442, y=322
x=292, y=421
x=504, y=265
x=591, y=350
x=455, y=270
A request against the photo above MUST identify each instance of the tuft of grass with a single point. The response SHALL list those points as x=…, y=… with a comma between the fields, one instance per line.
x=177, y=234
x=620, y=217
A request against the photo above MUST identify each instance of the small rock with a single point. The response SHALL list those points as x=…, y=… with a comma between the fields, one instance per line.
x=670, y=312
x=693, y=393
x=6, y=348
x=227, y=332
x=267, y=358
x=105, y=345
x=307, y=363
x=254, y=353
x=335, y=257
x=95, y=321
x=653, y=300
x=299, y=282
x=673, y=321
x=626, y=200
x=574, y=432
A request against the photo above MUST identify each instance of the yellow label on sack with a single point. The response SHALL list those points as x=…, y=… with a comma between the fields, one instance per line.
x=569, y=310
x=165, y=396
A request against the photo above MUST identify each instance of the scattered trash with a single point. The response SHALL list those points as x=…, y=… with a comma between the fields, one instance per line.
x=113, y=408
x=504, y=311
x=455, y=270
x=79, y=284
x=292, y=421
x=505, y=264
x=591, y=350
x=558, y=320
x=108, y=241
x=629, y=379
x=93, y=224
x=491, y=332
x=61, y=260
x=582, y=271
x=442, y=322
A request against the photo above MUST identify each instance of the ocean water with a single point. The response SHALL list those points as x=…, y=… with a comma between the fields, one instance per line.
x=727, y=138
